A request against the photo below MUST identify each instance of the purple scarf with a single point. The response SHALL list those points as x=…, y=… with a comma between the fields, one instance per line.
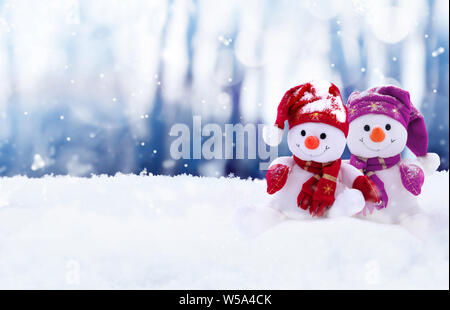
x=368, y=166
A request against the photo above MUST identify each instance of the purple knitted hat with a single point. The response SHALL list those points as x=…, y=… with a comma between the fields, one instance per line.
x=395, y=103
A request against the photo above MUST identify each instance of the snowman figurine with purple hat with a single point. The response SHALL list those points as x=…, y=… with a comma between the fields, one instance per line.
x=383, y=122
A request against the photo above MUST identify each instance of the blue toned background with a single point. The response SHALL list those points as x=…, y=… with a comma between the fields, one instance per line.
x=95, y=86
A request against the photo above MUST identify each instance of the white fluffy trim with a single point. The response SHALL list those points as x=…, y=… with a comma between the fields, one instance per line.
x=272, y=135
x=429, y=162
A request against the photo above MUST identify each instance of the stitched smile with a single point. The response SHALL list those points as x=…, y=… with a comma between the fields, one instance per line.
x=375, y=150
x=326, y=148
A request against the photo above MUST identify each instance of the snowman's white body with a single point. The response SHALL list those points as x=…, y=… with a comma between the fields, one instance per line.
x=402, y=204
x=347, y=202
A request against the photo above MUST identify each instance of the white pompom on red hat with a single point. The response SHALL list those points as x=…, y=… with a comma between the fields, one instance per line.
x=315, y=101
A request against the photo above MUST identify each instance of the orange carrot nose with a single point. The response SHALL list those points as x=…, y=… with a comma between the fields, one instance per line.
x=377, y=135
x=312, y=142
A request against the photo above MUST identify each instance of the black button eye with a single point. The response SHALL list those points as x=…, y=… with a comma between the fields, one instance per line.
x=303, y=133
x=323, y=136
x=367, y=128
x=388, y=126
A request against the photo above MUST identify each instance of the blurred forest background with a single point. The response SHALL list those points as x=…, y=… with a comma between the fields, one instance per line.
x=95, y=86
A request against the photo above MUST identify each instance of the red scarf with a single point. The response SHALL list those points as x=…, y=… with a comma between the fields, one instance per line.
x=321, y=187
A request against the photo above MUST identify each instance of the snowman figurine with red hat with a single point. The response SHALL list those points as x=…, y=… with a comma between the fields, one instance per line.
x=314, y=181
x=383, y=122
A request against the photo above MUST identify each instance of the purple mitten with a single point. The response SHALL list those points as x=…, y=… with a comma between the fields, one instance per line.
x=412, y=178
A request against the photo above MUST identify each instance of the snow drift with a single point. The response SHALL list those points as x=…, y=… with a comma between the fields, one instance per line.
x=159, y=232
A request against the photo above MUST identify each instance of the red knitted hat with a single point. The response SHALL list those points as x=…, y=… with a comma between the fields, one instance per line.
x=314, y=101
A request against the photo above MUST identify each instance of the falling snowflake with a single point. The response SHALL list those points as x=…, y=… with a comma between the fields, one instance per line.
x=38, y=162
x=438, y=52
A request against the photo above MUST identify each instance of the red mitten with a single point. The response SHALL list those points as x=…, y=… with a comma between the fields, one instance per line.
x=367, y=188
x=276, y=178
x=323, y=197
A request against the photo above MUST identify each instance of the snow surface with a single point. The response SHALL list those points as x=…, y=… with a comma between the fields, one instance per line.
x=160, y=232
